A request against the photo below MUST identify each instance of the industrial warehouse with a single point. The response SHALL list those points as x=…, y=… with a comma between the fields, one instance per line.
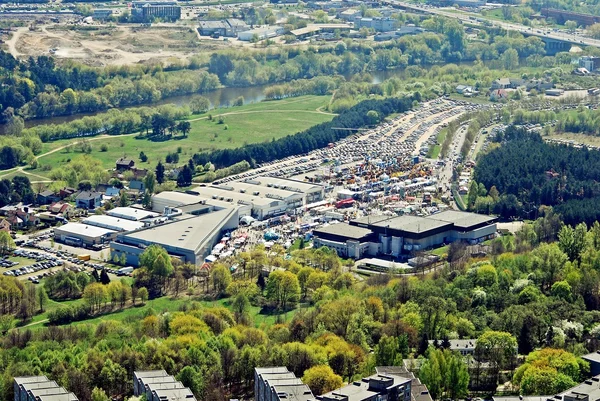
x=188, y=225
x=398, y=236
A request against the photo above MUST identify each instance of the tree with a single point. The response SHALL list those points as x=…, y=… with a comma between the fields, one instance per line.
x=184, y=178
x=143, y=294
x=373, y=116
x=184, y=127
x=283, y=288
x=150, y=182
x=594, y=31
x=241, y=308
x=321, y=379
x=157, y=263
x=99, y=395
x=571, y=25
x=572, y=241
x=220, y=276
x=143, y=157
x=444, y=372
x=510, y=59
x=160, y=173
x=499, y=349
x=199, y=104
x=42, y=297
x=7, y=245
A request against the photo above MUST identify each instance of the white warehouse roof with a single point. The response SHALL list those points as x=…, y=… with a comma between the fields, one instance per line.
x=83, y=229
x=131, y=213
x=113, y=223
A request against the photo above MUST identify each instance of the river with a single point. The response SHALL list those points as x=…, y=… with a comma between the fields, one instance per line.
x=222, y=97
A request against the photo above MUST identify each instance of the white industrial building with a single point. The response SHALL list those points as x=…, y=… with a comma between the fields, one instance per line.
x=311, y=192
x=186, y=236
x=78, y=234
x=112, y=223
x=131, y=213
x=261, y=33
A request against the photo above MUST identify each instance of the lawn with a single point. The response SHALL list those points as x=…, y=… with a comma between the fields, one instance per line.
x=252, y=123
x=435, y=150
x=440, y=251
x=159, y=305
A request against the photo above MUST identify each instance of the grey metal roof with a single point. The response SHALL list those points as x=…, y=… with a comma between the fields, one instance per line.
x=593, y=357
x=412, y=224
x=344, y=230
x=462, y=219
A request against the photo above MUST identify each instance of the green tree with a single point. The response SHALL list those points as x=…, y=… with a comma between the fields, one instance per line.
x=42, y=298
x=510, y=59
x=150, y=182
x=6, y=243
x=160, y=173
x=499, y=349
x=321, y=379
x=283, y=288
x=143, y=294
x=220, y=276
x=99, y=395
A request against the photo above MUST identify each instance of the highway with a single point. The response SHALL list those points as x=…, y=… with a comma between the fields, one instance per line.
x=511, y=26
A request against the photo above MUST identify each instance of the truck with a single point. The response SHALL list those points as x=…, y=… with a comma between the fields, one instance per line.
x=85, y=257
x=344, y=203
x=124, y=271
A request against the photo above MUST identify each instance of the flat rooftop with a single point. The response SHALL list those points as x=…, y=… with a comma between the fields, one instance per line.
x=462, y=219
x=58, y=397
x=30, y=379
x=149, y=373
x=360, y=390
x=305, y=30
x=412, y=224
x=131, y=213
x=295, y=392
x=112, y=223
x=288, y=184
x=371, y=219
x=185, y=234
x=264, y=191
x=344, y=230
x=179, y=198
x=271, y=369
x=236, y=196
x=83, y=229
x=594, y=357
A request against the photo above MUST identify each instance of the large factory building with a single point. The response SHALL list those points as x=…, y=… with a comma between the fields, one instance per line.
x=400, y=235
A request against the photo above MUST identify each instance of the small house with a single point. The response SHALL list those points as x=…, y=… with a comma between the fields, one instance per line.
x=46, y=197
x=4, y=225
x=124, y=163
x=88, y=200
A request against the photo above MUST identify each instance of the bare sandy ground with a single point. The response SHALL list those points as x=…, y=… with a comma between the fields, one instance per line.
x=110, y=45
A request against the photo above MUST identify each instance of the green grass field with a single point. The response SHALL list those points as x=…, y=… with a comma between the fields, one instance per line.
x=159, y=305
x=435, y=150
x=252, y=123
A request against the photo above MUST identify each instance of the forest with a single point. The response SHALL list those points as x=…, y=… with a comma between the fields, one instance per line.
x=535, y=293
x=528, y=173
x=39, y=87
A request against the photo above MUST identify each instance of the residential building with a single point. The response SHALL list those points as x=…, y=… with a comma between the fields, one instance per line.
x=594, y=360
x=590, y=63
x=63, y=209
x=147, y=10
x=418, y=391
x=102, y=14
x=4, y=225
x=350, y=14
x=66, y=192
x=464, y=347
x=20, y=383
x=377, y=387
x=140, y=376
x=279, y=384
x=124, y=163
x=463, y=89
x=46, y=197
x=88, y=200
x=379, y=24
x=229, y=27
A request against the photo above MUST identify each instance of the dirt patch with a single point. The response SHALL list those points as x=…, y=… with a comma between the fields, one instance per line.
x=111, y=45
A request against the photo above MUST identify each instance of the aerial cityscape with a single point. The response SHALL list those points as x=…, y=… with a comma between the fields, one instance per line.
x=299, y=200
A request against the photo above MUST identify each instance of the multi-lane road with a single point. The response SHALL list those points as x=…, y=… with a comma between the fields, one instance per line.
x=477, y=19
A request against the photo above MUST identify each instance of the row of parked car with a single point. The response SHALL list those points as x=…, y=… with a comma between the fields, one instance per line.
x=4, y=262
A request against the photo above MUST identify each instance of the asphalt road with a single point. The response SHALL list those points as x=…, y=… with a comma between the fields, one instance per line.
x=562, y=36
